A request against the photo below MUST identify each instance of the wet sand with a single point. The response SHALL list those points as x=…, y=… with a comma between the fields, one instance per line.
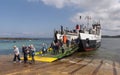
x=67, y=66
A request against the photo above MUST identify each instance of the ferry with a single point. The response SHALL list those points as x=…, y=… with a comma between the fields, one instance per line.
x=88, y=38
x=66, y=42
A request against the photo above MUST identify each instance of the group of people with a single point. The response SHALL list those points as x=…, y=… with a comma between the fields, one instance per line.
x=27, y=51
x=53, y=49
x=56, y=45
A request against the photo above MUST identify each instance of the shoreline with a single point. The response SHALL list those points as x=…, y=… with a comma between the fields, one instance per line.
x=21, y=38
x=32, y=38
x=66, y=66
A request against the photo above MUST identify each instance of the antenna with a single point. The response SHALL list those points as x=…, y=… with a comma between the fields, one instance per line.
x=88, y=19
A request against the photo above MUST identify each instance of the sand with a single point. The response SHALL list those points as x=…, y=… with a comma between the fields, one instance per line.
x=67, y=66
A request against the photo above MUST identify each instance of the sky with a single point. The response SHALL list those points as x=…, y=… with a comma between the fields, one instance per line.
x=39, y=18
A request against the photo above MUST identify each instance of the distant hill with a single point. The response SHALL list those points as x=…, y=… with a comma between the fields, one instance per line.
x=107, y=36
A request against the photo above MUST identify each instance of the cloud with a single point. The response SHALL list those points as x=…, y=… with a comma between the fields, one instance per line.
x=56, y=3
x=109, y=16
x=86, y=4
x=108, y=11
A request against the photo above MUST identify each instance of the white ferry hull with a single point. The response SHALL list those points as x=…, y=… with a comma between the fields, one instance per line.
x=88, y=42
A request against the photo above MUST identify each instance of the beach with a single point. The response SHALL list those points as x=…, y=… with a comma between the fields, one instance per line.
x=66, y=66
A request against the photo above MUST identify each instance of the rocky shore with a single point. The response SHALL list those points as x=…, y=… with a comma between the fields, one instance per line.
x=66, y=66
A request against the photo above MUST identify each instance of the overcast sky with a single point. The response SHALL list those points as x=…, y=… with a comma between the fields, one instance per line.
x=39, y=18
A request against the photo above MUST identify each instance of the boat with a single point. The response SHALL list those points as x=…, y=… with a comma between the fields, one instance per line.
x=78, y=39
x=87, y=38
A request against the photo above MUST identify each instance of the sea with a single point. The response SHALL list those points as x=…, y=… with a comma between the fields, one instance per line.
x=6, y=46
x=109, y=50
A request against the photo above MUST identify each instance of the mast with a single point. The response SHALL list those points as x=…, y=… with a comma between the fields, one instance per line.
x=88, y=18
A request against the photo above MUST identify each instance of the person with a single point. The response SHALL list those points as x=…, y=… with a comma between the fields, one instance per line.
x=67, y=42
x=25, y=53
x=16, y=54
x=44, y=48
x=63, y=50
x=32, y=52
x=56, y=48
x=53, y=46
x=28, y=50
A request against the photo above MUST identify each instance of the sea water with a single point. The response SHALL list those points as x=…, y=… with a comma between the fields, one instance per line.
x=110, y=48
x=6, y=46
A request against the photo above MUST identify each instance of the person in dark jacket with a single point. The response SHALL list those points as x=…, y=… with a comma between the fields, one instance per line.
x=25, y=53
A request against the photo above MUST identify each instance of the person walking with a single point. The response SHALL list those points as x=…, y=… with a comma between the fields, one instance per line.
x=32, y=53
x=25, y=53
x=16, y=54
